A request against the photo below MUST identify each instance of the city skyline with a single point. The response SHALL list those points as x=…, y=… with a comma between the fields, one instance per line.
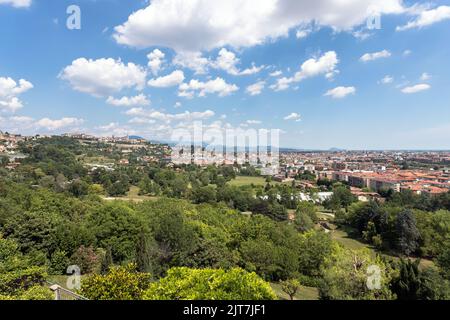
x=315, y=71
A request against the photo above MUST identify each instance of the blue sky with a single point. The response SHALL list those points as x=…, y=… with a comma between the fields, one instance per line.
x=346, y=86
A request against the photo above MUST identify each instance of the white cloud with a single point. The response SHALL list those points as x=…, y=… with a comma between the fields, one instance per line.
x=407, y=52
x=136, y=101
x=416, y=88
x=142, y=121
x=362, y=35
x=425, y=76
x=340, y=92
x=376, y=55
x=303, y=32
x=21, y=119
x=428, y=17
x=293, y=116
x=218, y=86
x=17, y=3
x=144, y=115
x=115, y=129
x=103, y=77
x=177, y=105
x=324, y=65
x=108, y=127
x=387, y=79
x=256, y=88
x=253, y=122
x=282, y=84
x=198, y=25
x=193, y=60
x=10, y=91
x=155, y=61
x=173, y=79
x=313, y=67
x=276, y=73
x=227, y=61
x=52, y=125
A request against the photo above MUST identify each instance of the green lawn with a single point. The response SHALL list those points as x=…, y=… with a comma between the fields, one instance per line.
x=305, y=293
x=132, y=195
x=343, y=238
x=244, y=181
x=95, y=160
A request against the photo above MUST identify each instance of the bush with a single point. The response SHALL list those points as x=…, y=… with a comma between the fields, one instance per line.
x=210, y=284
x=120, y=283
x=88, y=259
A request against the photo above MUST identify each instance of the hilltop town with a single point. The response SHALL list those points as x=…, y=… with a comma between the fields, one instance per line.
x=370, y=174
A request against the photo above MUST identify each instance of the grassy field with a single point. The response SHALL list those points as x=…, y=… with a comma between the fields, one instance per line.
x=246, y=181
x=343, y=238
x=305, y=293
x=95, y=160
x=132, y=195
x=243, y=181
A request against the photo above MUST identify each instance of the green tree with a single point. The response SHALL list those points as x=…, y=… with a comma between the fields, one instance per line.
x=407, y=285
x=355, y=275
x=305, y=216
x=209, y=284
x=313, y=249
x=443, y=259
x=120, y=283
x=88, y=259
x=408, y=234
x=290, y=287
x=205, y=194
x=58, y=263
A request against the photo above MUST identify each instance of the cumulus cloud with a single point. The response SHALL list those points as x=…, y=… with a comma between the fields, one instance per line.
x=173, y=79
x=53, y=125
x=139, y=100
x=103, y=77
x=256, y=88
x=198, y=25
x=218, y=86
x=18, y=124
x=145, y=115
x=324, y=65
x=427, y=17
x=282, y=84
x=293, y=116
x=155, y=61
x=340, y=92
x=10, y=91
x=17, y=3
x=228, y=62
x=193, y=60
x=276, y=73
x=416, y=88
x=376, y=55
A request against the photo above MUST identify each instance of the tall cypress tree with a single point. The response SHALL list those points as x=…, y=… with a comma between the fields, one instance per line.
x=407, y=233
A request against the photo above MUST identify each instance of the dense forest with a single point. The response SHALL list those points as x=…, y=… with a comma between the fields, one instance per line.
x=192, y=237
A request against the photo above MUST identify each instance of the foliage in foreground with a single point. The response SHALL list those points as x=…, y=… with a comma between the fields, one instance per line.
x=120, y=283
x=356, y=275
x=210, y=284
